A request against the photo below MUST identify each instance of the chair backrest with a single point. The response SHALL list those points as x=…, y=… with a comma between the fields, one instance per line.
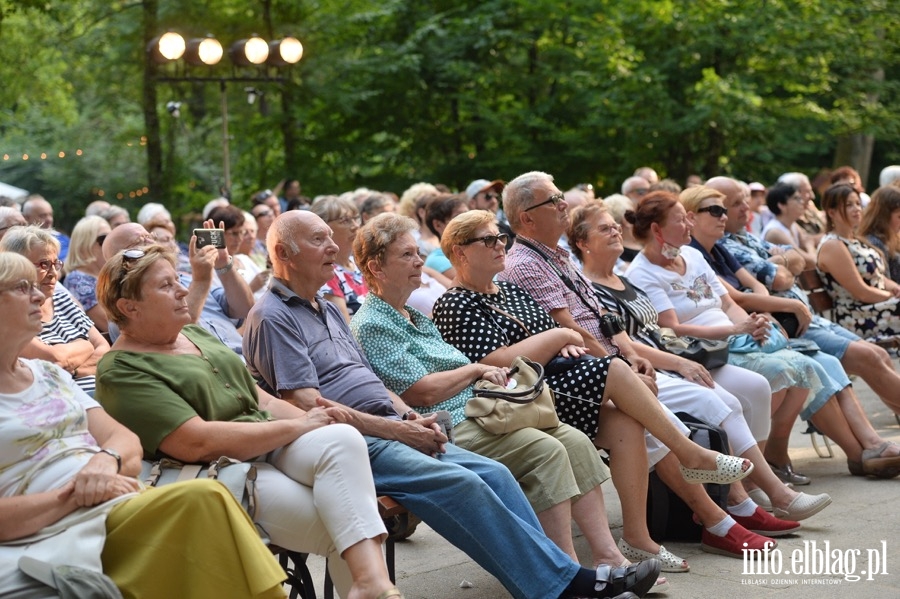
x=812, y=283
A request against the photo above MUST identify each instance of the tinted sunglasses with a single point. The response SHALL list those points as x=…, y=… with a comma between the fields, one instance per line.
x=715, y=210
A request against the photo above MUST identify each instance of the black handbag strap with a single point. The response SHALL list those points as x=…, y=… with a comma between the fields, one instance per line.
x=623, y=305
x=567, y=281
x=483, y=303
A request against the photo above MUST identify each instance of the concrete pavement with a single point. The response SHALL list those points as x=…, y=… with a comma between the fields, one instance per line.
x=860, y=526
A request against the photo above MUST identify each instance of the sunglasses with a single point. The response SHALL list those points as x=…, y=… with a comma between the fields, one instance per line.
x=555, y=199
x=45, y=265
x=489, y=241
x=262, y=214
x=491, y=196
x=715, y=210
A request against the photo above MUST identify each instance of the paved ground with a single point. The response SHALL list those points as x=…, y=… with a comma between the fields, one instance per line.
x=863, y=518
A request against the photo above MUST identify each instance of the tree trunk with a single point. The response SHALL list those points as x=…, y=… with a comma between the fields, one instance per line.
x=155, y=180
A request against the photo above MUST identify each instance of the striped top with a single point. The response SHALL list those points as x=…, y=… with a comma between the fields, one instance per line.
x=68, y=324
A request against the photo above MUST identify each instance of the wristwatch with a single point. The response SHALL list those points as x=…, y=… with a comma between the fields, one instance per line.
x=114, y=454
x=227, y=267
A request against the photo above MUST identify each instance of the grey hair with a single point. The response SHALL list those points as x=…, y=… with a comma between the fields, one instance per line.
x=888, y=175
x=794, y=179
x=617, y=205
x=374, y=238
x=7, y=212
x=283, y=230
x=518, y=195
x=22, y=240
x=332, y=208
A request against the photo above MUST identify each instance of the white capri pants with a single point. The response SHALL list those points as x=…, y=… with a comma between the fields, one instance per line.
x=316, y=495
x=716, y=406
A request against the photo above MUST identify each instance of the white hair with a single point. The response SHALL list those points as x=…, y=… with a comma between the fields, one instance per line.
x=149, y=211
x=795, y=179
x=212, y=205
x=888, y=175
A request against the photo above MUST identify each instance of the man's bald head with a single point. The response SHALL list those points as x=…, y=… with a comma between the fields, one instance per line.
x=736, y=201
x=123, y=237
x=286, y=229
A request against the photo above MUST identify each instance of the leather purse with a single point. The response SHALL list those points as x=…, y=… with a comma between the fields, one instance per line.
x=711, y=353
x=525, y=401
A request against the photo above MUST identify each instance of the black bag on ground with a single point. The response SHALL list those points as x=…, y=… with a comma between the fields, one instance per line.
x=668, y=517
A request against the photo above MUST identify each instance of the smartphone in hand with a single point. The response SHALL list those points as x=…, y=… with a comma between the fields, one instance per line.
x=213, y=237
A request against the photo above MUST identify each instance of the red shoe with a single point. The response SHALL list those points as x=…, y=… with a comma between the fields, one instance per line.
x=764, y=523
x=734, y=543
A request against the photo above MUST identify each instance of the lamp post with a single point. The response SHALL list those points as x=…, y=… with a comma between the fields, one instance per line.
x=252, y=52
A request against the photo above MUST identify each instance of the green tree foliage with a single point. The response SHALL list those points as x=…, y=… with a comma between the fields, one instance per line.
x=398, y=91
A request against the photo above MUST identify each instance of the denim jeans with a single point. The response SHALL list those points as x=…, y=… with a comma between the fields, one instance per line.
x=476, y=504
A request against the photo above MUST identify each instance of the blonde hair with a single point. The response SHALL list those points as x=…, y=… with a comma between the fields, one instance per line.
x=14, y=267
x=692, y=197
x=460, y=229
x=122, y=278
x=81, y=246
x=409, y=201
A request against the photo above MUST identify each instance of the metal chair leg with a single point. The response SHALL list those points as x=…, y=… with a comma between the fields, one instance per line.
x=822, y=452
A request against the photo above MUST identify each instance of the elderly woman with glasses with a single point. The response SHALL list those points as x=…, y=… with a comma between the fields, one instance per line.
x=188, y=397
x=83, y=264
x=558, y=468
x=72, y=512
x=347, y=289
x=68, y=337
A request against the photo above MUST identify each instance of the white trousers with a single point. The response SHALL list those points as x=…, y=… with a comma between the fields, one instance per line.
x=316, y=495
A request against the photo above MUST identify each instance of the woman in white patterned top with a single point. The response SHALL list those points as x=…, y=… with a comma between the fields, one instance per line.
x=68, y=338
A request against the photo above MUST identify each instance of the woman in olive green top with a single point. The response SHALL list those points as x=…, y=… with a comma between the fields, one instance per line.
x=190, y=398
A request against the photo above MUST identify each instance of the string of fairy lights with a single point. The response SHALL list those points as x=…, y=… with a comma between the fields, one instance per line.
x=10, y=157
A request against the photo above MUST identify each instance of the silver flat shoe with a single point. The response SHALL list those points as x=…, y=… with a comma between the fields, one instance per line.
x=786, y=474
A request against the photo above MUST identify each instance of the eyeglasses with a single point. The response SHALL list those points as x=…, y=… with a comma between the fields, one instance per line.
x=489, y=241
x=23, y=287
x=797, y=198
x=238, y=233
x=262, y=214
x=609, y=229
x=714, y=210
x=491, y=196
x=555, y=199
x=45, y=265
x=101, y=239
x=346, y=220
x=641, y=192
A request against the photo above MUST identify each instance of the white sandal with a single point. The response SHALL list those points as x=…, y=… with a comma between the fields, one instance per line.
x=670, y=562
x=729, y=469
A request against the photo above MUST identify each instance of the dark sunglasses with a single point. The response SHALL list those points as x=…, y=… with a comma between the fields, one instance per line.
x=715, y=210
x=555, y=199
x=491, y=196
x=489, y=241
x=101, y=239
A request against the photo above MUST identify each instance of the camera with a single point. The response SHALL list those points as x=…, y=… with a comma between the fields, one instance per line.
x=611, y=325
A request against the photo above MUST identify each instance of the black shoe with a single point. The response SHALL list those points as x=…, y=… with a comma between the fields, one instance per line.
x=618, y=582
x=786, y=474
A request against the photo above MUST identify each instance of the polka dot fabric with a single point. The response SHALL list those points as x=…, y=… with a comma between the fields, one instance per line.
x=466, y=321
